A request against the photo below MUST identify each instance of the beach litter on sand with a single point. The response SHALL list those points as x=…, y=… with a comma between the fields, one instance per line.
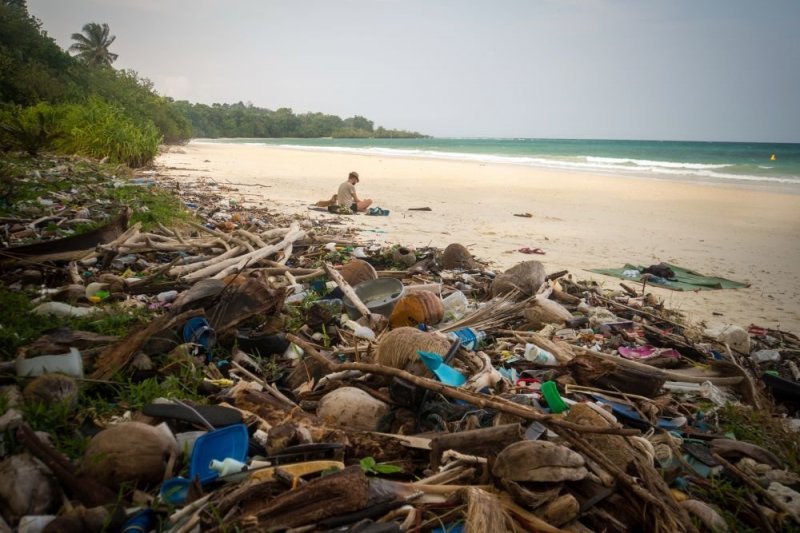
x=245, y=369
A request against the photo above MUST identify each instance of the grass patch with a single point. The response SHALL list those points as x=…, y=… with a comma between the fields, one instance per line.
x=152, y=205
x=759, y=427
x=20, y=326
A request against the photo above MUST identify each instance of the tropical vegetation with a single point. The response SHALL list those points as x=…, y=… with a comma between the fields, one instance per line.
x=53, y=101
x=92, y=45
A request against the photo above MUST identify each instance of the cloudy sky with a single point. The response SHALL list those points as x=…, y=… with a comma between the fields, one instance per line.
x=615, y=69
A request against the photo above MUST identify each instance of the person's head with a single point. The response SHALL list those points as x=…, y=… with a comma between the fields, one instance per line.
x=353, y=177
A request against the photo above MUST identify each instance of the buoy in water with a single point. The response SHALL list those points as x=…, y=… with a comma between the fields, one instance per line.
x=772, y=157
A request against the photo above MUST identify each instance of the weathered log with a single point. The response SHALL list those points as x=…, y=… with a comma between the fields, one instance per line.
x=484, y=441
x=343, y=492
x=68, y=248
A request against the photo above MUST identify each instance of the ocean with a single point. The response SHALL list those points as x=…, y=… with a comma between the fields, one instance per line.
x=745, y=164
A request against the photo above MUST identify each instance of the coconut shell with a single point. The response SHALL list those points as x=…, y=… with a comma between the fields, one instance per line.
x=421, y=307
x=356, y=270
x=456, y=256
x=404, y=255
x=398, y=349
x=349, y=407
x=539, y=461
x=52, y=389
x=525, y=277
x=544, y=311
x=131, y=452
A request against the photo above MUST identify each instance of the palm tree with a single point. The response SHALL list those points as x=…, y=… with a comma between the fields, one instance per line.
x=92, y=45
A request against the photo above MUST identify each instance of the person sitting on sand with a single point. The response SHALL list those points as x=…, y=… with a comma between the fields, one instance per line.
x=347, y=197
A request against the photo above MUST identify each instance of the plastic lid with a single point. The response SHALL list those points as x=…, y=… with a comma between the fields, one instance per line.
x=553, y=398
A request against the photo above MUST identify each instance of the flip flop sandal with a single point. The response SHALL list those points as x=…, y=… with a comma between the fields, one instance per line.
x=215, y=415
x=198, y=331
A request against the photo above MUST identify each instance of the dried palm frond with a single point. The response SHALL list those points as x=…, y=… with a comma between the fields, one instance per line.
x=493, y=314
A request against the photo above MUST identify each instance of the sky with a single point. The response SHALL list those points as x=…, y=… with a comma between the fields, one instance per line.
x=708, y=70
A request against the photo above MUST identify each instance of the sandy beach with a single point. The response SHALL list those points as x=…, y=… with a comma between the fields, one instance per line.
x=580, y=221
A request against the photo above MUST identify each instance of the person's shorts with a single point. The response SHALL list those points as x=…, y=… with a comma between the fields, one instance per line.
x=354, y=207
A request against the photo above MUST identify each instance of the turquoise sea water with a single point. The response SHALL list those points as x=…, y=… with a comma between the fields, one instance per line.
x=746, y=164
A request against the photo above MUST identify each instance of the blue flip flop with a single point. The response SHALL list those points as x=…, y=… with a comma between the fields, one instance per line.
x=377, y=212
x=198, y=331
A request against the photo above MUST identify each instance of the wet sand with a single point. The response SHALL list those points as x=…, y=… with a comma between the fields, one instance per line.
x=580, y=221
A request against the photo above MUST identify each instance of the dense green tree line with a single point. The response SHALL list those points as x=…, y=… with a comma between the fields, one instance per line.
x=245, y=120
x=52, y=100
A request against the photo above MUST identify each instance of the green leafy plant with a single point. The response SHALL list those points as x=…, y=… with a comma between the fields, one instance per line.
x=32, y=129
x=369, y=466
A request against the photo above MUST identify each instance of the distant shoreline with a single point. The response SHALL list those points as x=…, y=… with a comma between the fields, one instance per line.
x=734, y=172
x=581, y=220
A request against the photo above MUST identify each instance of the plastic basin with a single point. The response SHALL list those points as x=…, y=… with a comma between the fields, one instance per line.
x=379, y=295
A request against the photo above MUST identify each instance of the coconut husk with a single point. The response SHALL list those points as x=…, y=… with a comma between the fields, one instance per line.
x=51, y=390
x=539, y=461
x=614, y=447
x=525, y=277
x=484, y=512
x=544, y=311
x=456, y=256
x=398, y=349
x=357, y=270
x=130, y=452
x=350, y=407
x=417, y=308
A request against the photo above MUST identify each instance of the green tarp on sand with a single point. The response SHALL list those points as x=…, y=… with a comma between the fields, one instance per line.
x=685, y=280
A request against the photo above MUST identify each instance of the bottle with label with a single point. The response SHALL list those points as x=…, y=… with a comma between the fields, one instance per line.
x=470, y=338
x=539, y=356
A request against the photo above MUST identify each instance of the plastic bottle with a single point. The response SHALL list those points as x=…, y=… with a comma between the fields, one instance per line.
x=455, y=306
x=539, y=356
x=470, y=338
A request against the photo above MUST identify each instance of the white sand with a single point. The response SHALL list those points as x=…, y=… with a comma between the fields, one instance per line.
x=581, y=221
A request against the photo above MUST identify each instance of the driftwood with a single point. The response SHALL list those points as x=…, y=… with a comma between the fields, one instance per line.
x=665, y=374
x=481, y=400
x=118, y=355
x=484, y=441
x=343, y=492
x=68, y=248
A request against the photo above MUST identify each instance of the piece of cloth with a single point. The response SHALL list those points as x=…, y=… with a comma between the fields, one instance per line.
x=347, y=194
x=685, y=279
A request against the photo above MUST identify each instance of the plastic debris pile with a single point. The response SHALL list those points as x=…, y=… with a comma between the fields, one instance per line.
x=279, y=373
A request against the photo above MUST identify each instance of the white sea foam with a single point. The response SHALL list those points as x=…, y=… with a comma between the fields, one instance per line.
x=648, y=163
x=637, y=167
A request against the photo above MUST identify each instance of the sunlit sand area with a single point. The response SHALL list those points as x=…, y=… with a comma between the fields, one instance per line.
x=580, y=221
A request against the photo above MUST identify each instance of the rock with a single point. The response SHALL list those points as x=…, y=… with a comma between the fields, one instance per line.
x=129, y=452
x=539, y=461
x=353, y=408
x=26, y=488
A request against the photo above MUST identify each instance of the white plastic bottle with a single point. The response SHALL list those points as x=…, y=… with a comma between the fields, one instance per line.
x=539, y=356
